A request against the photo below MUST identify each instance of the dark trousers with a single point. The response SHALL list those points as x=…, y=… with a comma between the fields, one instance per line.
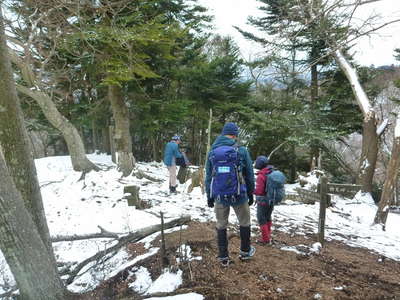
x=264, y=213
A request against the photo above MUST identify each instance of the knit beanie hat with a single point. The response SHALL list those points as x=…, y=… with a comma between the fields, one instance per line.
x=230, y=129
x=261, y=162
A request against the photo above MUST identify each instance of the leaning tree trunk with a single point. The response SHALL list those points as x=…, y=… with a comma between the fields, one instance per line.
x=74, y=142
x=122, y=136
x=71, y=136
x=27, y=256
x=370, y=136
x=15, y=144
x=390, y=181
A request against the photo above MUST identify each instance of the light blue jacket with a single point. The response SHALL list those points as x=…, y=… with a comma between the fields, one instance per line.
x=171, y=152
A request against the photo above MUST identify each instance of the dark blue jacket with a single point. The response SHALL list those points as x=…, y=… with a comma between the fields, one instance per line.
x=247, y=167
x=171, y=151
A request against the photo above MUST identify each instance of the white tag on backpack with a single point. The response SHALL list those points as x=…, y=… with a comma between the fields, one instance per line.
x=224, y=169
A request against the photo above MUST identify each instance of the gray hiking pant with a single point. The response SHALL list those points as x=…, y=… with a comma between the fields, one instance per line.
x=172, y=175
x=222, y=214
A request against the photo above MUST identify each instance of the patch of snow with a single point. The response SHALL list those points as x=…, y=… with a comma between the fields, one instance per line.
x=316, y=248
x=184, y=253
x=291, y=249
x=72, y=20
x=166, y=283
x=143, y=281
x=6, y=279
x=366, y=198
x=397, y=128
x=312, y=180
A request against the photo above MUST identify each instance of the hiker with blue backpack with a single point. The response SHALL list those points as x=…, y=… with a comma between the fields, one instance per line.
x=171, y=155
x=270, y=190
x=230, y=183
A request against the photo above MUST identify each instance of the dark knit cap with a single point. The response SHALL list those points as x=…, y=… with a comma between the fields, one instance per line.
x=230, y=129
x=261, y=162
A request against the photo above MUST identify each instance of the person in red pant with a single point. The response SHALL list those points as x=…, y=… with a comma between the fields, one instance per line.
x=264, y=207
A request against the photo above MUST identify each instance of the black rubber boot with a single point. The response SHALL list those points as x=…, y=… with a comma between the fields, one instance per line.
x=222, y=241
x=246, y=250
x=245, y=238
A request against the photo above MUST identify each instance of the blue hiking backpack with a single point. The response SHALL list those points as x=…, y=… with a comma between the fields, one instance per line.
x=275, y=187
x=227, y=180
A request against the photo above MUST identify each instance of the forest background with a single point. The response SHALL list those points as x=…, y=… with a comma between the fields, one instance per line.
x=152, y=69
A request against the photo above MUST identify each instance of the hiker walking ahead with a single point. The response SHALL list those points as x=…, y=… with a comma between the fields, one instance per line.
x=171, y=153
x=230, y=182
x=269, y=191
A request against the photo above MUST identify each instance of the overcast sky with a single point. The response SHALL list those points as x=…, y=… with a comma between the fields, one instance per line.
x=376, y=50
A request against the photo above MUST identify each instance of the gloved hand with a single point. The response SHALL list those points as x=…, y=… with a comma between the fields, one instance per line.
x=210, y=202
x=251, y=199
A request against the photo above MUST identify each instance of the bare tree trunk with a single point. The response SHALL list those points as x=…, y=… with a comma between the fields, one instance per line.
x=390, y=181
x=369, y=153
x=292, y=171
x=105, y=132
x=154, y=148
x=370, y=136
x=24, y=236
x=122, y=136
x=74, y=141
x=314, y=93
x=95, y=137
x=26, y=254
x=15, y=144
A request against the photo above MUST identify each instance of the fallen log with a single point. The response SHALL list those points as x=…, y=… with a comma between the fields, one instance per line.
x=102, y=234
x=140, y=175
x=130, y=238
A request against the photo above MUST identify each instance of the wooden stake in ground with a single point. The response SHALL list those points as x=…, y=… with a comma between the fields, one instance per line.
x=322, y=209
x=164, y=258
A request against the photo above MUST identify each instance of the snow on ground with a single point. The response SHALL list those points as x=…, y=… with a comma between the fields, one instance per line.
x=75, y=206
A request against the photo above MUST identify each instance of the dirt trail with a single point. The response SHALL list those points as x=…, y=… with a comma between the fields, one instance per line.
x=338, y=272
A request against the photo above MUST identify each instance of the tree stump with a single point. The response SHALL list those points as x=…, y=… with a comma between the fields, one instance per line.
x=131, y=194
x=197, y=180
x=183, y=174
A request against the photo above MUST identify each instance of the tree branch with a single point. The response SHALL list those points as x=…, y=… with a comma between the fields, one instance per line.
x=358, y=3
x=359, y=93
x=102, y=234
x=131, y=238
x=382, y=127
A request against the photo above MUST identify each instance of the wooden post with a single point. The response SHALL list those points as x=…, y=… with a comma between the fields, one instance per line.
x=164, y=259
x=322, y=208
